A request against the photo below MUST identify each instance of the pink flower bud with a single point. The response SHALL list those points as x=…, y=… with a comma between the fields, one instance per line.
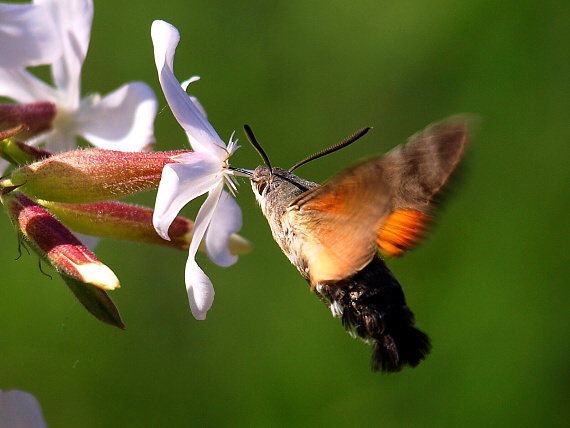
x=118, y=220
x=33, y=118
x=55, y=243
x=91, y=175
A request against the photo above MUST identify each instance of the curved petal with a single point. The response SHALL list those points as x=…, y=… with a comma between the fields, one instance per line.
x=227, y=219
x=23, y=87
x=188, y=81
x=179, y=184
x=73, y=19
x=28, y=36
x=194, y=99
x=122, y=120
x=199, y=288
x=202, y=135
x=198, y=285
x=204, y=217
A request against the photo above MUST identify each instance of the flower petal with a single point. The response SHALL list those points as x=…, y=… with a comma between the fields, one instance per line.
x=202, y=135
x=73, y=19
x=199, y=288
x=58, y=140
x=227, y=219
x=28, y=36
x=198, y=285
x=122, y=120
x=204, y=217
x=188, y=81
x=198, y=106
x=20, y=409
x=180, y=183
x=23, y=87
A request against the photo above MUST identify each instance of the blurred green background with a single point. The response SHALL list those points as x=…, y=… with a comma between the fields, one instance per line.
x=490, y=285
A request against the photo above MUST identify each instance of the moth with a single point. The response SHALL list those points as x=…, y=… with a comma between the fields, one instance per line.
x=335, y=233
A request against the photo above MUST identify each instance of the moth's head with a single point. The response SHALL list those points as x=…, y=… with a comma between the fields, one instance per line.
x=266, y=183
x=276, y=186
x=260, y=181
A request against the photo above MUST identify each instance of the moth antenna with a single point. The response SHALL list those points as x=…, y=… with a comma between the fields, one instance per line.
x=334, y=148
x=256, y=146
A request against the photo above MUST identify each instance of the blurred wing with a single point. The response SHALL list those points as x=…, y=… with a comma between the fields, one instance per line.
x=339, y=220
x=384, y=202
x=417, y=171
x=402, y=231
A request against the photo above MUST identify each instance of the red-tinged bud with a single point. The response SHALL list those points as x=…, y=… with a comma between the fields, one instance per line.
x=31, y=119
x=118, y=220
x=55, y=243
x=91, y=175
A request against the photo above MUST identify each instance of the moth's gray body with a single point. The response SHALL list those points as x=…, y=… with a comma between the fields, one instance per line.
x=282, y=188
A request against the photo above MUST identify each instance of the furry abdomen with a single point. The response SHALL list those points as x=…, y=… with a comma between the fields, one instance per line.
x=374, y=308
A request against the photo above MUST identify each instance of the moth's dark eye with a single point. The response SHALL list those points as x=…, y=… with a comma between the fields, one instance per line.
x=261, y=187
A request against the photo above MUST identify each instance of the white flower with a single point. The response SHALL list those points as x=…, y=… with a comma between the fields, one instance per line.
x=205, y=170
x=20, y=409
x=28, y=36
x=122, y=120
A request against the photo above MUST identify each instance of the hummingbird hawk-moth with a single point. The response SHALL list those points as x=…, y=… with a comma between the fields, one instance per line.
x=333, y=233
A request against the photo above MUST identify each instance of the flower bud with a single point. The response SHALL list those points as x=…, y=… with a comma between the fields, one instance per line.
x=118, y=220
x=32, y=118
x=54, y=243
x=91, y=175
